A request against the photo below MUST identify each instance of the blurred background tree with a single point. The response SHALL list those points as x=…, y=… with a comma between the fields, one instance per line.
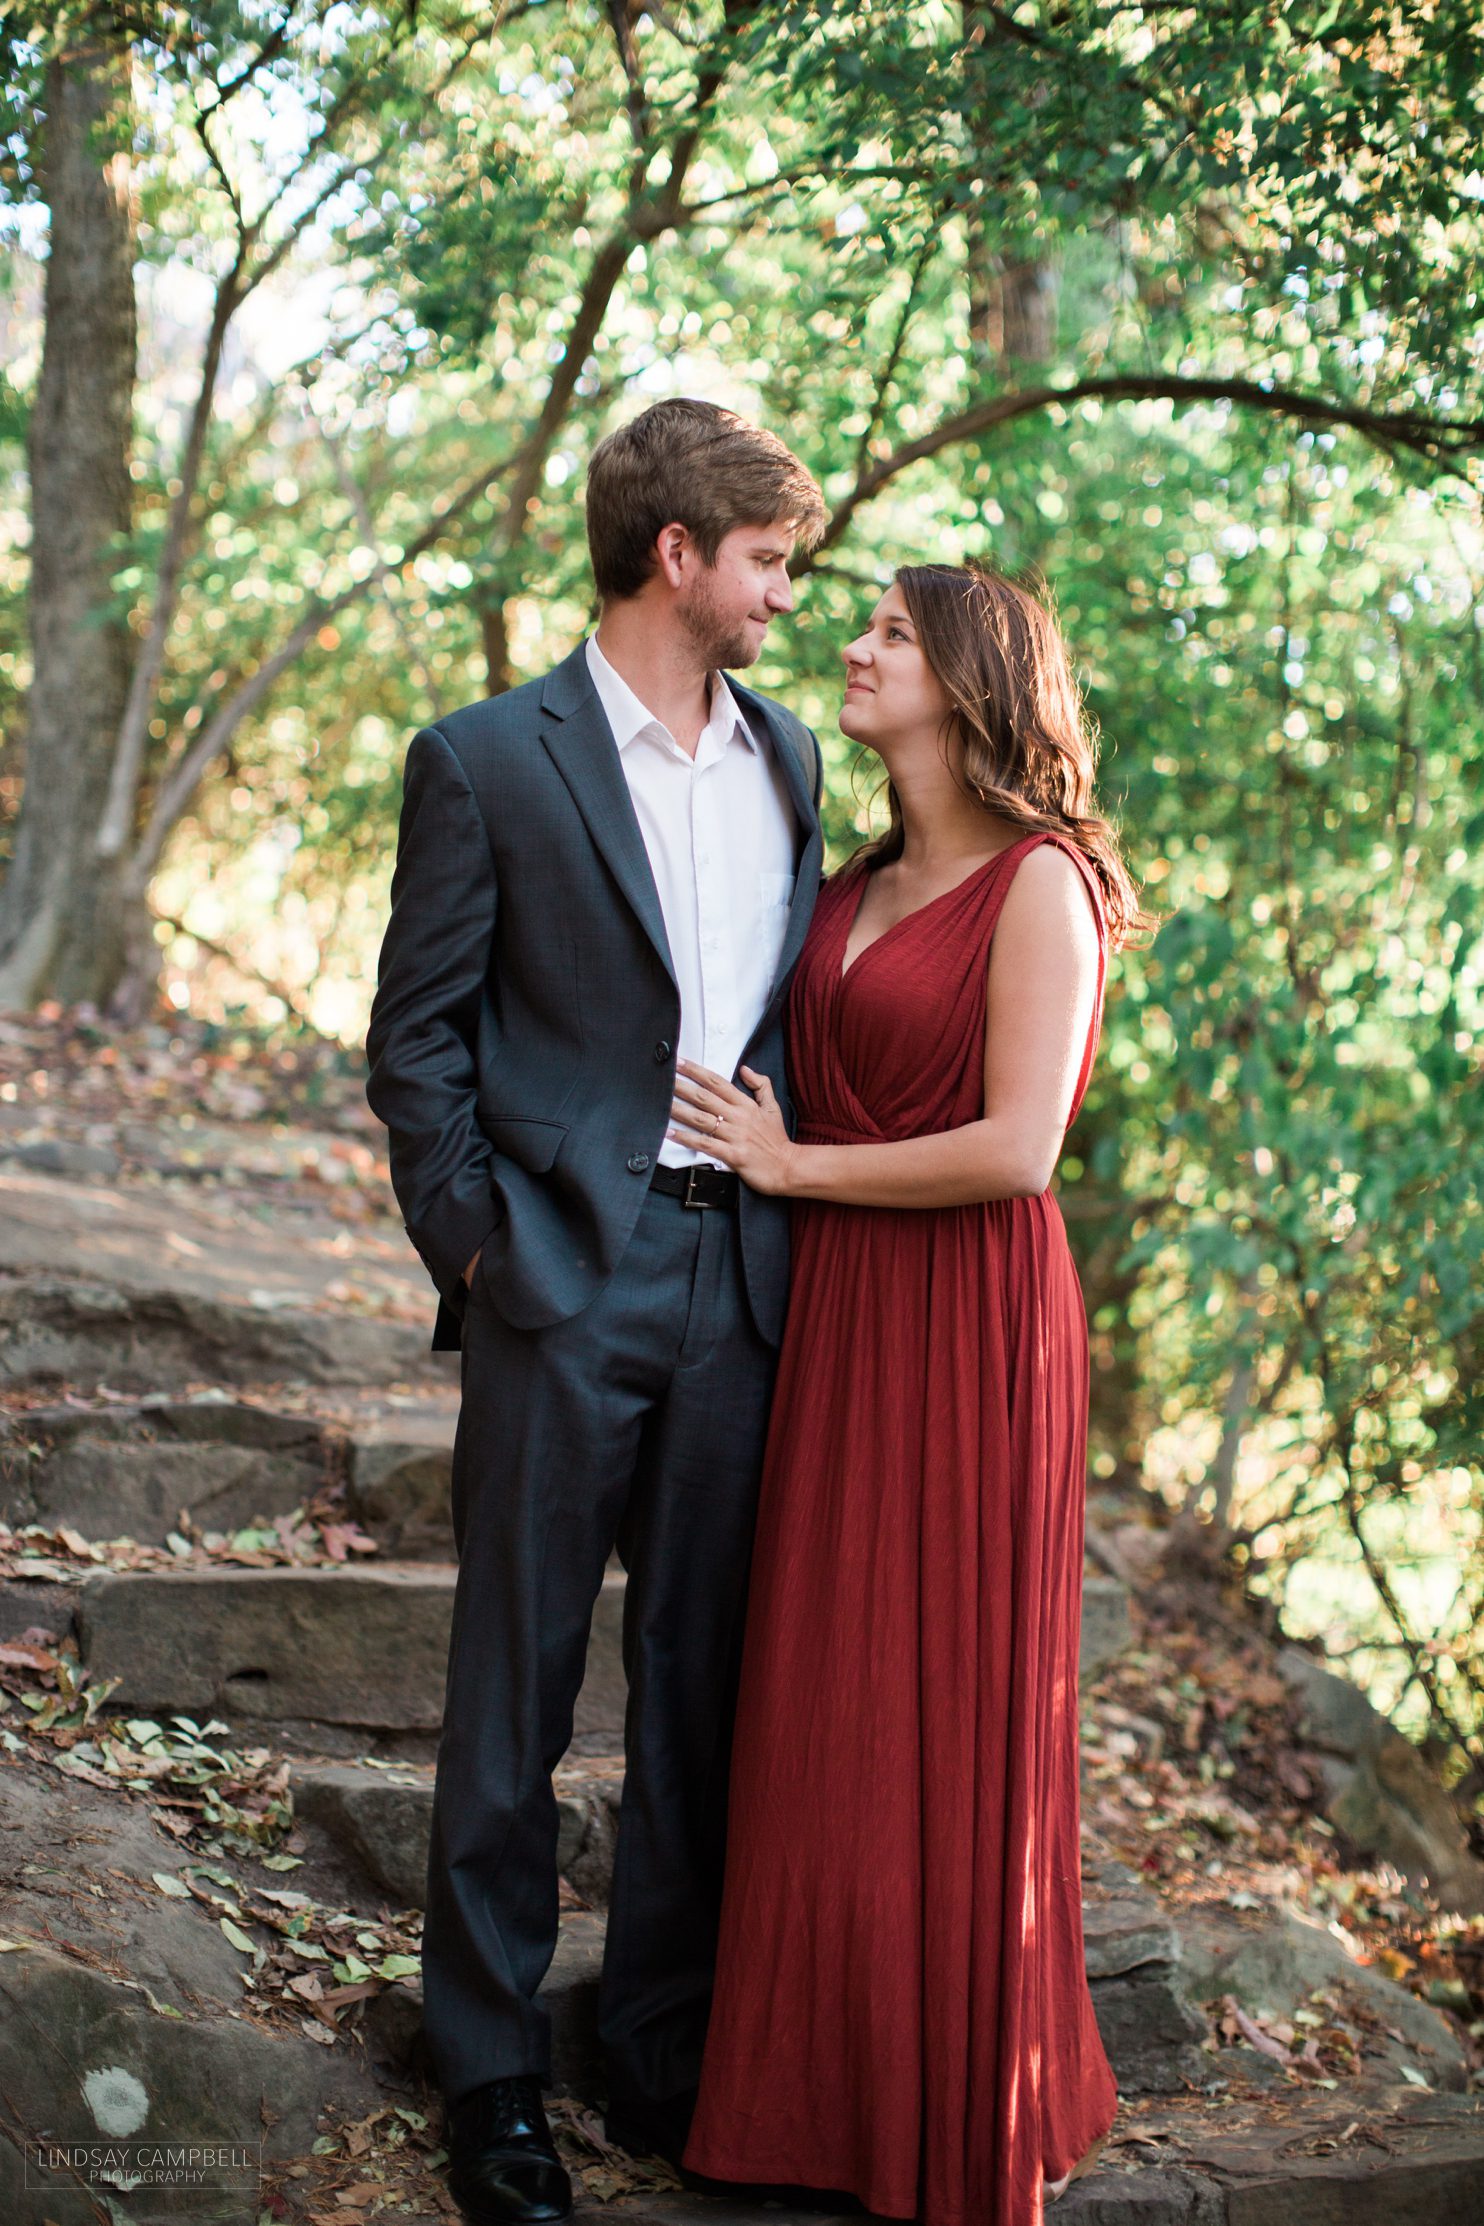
x=314, y=313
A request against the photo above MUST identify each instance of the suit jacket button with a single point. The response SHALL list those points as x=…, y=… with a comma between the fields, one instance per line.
x=638, y=1163
x=661, y=1053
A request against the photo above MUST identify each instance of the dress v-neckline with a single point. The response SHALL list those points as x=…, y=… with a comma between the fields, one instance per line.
x=847, y=969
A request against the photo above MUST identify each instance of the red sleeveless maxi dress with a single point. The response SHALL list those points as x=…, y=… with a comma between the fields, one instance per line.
x=901, y=2007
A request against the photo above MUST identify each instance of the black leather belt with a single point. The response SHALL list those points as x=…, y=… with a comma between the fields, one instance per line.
x=697, y=1185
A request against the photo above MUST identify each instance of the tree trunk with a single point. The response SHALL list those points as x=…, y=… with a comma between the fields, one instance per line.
x=495, y=632
x=1012, y=297
x=64, y=925
x=1012, y=308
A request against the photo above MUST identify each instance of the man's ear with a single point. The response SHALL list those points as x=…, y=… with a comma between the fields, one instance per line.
x=673, y=545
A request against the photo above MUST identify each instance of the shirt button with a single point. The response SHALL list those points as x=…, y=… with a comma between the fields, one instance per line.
x=661, y=1053
x=638, y=1163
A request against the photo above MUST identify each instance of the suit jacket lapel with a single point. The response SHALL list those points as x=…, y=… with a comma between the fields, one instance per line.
x=798, y=773
x=580, y=742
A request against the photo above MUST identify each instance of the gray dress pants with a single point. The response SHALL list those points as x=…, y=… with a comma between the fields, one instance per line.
x=639, y=1423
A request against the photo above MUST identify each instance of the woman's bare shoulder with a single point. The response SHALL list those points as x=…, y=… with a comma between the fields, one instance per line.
x=1049, y=891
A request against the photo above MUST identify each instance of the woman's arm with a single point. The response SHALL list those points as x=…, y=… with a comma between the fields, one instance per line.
x=1042, y=986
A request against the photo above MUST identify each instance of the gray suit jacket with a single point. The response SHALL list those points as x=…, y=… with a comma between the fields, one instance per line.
x=522, y=1036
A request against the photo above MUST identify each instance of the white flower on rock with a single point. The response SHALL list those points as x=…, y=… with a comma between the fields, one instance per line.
x=119, y=2102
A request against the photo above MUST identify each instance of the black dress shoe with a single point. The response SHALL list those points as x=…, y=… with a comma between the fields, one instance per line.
x=502, y=2162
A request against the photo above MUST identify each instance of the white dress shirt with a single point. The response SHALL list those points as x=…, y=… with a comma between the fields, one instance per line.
x=720, y=831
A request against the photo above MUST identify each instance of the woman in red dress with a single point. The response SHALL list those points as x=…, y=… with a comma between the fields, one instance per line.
x=901, y=2007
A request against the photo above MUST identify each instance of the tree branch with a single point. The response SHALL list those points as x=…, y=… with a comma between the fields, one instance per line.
x=888, y=369
x=178, y=788
x=386, y=576
x=641, y=123
x=116, y=825
x=274, y=45
x=128, y=757
x=1342, y=1438
x=181, y=783
x=341, y=112
x=242, y=966
x=736, y=17
x=643, y=220
x=784, y=181
x=223, y=176
x=603, y=275
x=1428, y=438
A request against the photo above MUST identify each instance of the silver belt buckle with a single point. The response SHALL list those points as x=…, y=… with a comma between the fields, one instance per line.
x=692, y=1172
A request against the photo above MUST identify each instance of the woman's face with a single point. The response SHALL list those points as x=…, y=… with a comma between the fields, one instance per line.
x=892, y=693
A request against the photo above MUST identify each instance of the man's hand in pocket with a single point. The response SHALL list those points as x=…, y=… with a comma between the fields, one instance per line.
x=469, y=1270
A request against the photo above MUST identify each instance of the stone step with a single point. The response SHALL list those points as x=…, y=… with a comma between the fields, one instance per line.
x=84, y=1333
x=1365, y=2155
x=1276, y=1960
x=358, y=1649
x=378, y=1817
x=1419, y=2177
x=398, y=1483
x=348, y=1645
x=130, y=1469
x=330, y=1656
x=149, y=1287
x=361, y=1647
x=1150, y=2029
x=1106, y=1626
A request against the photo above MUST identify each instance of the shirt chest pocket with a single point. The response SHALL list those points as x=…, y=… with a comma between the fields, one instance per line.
x=775, y=895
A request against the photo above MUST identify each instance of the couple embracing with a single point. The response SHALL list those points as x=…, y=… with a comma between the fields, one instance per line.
x=734, y=1188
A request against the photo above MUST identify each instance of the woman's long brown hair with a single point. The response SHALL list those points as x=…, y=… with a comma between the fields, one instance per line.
x=1029, y=744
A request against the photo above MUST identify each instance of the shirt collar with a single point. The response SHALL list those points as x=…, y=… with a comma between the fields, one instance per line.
x=630, y=718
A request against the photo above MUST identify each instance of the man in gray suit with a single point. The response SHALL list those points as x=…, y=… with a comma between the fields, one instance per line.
x=597, y=874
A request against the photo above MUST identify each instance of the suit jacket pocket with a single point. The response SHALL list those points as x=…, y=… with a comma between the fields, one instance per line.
x=532, y=1144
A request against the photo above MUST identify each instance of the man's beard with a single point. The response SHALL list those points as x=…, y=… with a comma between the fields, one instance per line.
x=719, y=640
